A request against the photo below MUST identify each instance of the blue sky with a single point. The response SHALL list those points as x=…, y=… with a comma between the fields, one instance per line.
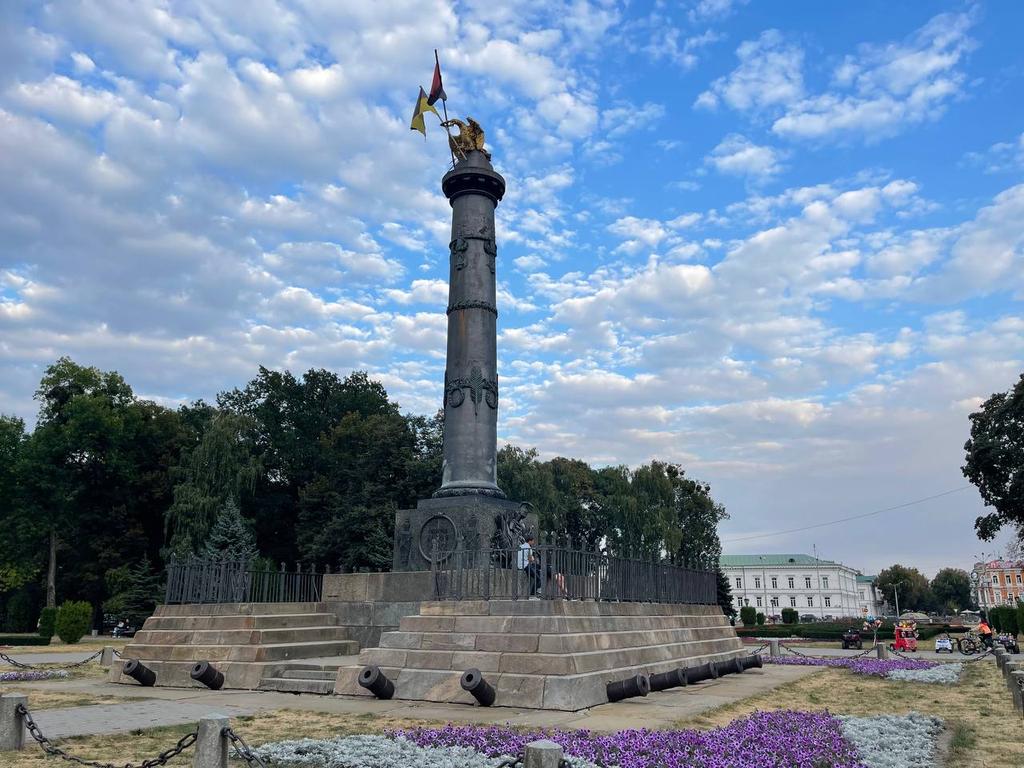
x=779, y=243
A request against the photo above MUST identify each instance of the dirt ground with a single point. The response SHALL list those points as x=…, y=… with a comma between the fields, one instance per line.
x=86, y=646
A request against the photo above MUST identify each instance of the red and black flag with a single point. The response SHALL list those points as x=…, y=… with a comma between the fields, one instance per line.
x=436, y=87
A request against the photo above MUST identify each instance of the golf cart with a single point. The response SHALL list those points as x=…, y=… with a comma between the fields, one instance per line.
x=852, y=639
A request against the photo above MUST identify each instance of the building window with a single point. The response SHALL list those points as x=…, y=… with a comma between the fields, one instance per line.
x=828, y=601
x=757, y=582
x=807, y=582
x=775, y=582
x=863, y=595
x=1018, y=578
x=810, y=601
x=790, y=580
x=759, y=602
x=824, y=582
x=792, y=602
x=775, y=602
x=739, y=583
x=995, y=578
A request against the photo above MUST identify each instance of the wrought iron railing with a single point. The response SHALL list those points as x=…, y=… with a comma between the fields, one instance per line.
x=549, y=571
x=194, y=580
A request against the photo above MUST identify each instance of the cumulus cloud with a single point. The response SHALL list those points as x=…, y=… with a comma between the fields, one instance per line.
x=769, y=74
x=739, y=156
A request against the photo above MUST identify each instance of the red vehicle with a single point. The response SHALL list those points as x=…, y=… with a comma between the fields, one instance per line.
x=906, y=640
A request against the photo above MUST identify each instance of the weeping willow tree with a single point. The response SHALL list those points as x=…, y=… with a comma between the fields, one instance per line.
x=222, y=468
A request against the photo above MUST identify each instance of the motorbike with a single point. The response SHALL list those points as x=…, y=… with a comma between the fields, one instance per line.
x=852, y=639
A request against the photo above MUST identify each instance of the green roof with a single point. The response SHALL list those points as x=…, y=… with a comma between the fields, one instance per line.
x=862, y=579
x=737, y=561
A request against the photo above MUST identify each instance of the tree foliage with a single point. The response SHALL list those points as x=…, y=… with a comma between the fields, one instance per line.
x=134, y=590
x=231, y=537
x=951, y=590
x=914, y=591
x=995, y=460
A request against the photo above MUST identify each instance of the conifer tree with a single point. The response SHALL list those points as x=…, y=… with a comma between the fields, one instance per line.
x=231, y=537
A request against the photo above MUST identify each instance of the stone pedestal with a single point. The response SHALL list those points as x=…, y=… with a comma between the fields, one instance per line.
x=473, y=523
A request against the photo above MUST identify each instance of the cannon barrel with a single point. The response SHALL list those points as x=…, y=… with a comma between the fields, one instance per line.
x=376, y=682
x=674, y=678
x=707, y=671
x=204, y=672
x=139, y=672
x=473, y=682
x=637, y=685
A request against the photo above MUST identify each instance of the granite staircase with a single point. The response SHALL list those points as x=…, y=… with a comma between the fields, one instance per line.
x=545, y=654
x=246, y=641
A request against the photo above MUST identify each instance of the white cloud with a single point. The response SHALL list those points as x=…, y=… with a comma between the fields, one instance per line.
x=738, y=156
x=769, y=74
x=1001, y=157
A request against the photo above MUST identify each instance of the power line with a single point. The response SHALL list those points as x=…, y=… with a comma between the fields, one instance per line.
x=847, y=519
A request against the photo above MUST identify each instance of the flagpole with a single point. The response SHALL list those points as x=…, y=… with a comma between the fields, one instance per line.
x=444, y=106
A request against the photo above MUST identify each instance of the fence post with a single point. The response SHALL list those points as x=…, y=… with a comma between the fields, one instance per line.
x=542, y=754
x=211, y=743
x=881, y=651
x=773, y=648
x=12, y=729
x=107, y=656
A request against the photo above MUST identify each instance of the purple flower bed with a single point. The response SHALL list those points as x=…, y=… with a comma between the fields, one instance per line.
x=783, y=739
x=28, y=675
x=862, y=666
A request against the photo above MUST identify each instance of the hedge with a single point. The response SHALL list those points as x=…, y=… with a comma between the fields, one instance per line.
x=748, y=615
x=47, y=622
x=824, y=631
x=23, y=640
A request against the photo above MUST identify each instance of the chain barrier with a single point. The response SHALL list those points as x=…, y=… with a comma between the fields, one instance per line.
x=52, y=750
x=21, y=665
x=795, y=652
x=242, y=749
x=756, y=651
x=988, y=652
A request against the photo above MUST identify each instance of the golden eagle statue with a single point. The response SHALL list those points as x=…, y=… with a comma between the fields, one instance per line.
x=470, y=137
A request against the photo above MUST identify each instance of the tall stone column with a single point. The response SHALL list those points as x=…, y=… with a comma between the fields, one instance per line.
x=471, y=378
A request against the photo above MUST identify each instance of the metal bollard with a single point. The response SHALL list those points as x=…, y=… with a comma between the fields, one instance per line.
x=751, y=662
x=376, y=682
x=139, y=672
x=707, y=671
x=1016, y=678
x=637, y=685
x=662, y=681
x=211, y=743
x=773, y=648
x=12, y=729
x=542, y=754
x=881, y=651
x=473, y=682
x=107, y=656
x=204, y=672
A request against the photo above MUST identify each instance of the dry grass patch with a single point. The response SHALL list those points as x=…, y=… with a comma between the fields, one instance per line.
x=978, y=711
x=256, y=729
x=39, y=698
x=85, y=646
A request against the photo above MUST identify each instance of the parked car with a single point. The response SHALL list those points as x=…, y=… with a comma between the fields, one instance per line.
x=808, y=618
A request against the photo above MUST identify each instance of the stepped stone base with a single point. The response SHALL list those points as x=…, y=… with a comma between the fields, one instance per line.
x=542, y=654
x=245, y=641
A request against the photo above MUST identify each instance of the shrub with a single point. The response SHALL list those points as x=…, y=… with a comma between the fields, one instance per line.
x=73, y=620
x=760, y=619
x=747, y=615
x=21, y=613
x=47, y=621
x=789, y=616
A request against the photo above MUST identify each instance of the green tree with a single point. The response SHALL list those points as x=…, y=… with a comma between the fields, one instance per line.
x=134, y=592
x=914, y=591
x=223, y=466
x=724, y=594
x=995, y=460
x=231, y=537
x=18, y=564
x=951, y=589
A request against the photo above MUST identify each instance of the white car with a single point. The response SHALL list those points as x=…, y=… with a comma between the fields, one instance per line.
x=943, y=643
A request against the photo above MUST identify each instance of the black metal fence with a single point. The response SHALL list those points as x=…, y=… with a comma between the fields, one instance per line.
x=194, y=580
x=549, y=571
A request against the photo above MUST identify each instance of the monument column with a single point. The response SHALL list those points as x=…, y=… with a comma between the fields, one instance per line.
x=471, y=378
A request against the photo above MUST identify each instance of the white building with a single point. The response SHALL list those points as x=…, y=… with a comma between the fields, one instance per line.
x=821, y=588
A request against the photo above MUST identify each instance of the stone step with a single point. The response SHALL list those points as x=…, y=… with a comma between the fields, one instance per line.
x=532, y=691
x=562, y=608
x=238, y=636
x=547, y=643
x=268, y=621
x=324, y=687
x=238, y=609
x=547, y=663
x=555, y=624
x=307, y=674
x=251, y=653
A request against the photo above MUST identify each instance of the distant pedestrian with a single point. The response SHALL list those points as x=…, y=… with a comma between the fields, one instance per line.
x=528, y=562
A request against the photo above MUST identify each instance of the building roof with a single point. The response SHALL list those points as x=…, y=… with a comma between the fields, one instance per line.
x=862, y=579
x=737, y=561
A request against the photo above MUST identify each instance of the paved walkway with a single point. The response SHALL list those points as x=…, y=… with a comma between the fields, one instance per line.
x=118, y=718
x=170, y=706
